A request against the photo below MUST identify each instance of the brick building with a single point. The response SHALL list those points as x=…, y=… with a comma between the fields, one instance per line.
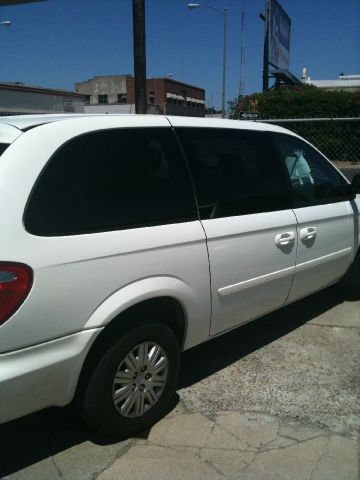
x=165, y=96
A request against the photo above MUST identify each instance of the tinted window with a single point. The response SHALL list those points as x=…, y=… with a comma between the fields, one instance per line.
x=111, y=180
x=235, y=172
x=314, y=180
x=3, y=147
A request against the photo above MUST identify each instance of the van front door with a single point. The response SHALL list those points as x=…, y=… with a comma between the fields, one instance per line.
x=325, y=215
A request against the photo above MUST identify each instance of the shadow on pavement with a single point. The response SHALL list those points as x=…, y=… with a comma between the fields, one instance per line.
x=38, y=436
x=33, y=438
x=214, y=355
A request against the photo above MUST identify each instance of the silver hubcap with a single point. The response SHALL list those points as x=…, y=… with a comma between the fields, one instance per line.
x=140, y=379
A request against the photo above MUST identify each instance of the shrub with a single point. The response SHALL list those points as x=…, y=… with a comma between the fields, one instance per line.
x=299, y=102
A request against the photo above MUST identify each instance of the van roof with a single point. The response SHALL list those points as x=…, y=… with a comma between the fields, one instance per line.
x=26, y=122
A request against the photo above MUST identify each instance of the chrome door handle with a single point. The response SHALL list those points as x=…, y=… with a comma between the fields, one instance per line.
x=308, y=233
x=285, y=238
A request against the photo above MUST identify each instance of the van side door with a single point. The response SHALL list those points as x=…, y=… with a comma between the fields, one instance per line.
x=244, y=203
x=115, y=223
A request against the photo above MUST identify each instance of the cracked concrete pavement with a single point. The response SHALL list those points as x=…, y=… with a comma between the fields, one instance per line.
x=234, y=445
x=275, y=399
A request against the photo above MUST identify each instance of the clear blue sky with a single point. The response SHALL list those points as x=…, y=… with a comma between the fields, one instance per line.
x=59, y=42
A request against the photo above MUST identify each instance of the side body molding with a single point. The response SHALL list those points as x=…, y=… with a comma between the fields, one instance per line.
x=195, y=308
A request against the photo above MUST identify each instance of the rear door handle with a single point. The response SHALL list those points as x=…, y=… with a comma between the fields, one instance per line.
x=285, y=238
x=308, y=233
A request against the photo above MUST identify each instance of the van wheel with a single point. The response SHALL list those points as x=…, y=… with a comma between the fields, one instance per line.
x=130, y=387
x=351, y=285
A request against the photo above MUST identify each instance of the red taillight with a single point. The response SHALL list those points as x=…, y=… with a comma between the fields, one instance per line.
x=15, y=283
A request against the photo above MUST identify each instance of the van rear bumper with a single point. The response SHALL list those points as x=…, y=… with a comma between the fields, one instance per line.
x=43, y=375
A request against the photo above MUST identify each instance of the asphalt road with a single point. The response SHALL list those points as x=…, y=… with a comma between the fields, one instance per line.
x=300, y=364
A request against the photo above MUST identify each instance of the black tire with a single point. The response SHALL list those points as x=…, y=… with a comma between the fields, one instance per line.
x=351, y=285
x=97, y=406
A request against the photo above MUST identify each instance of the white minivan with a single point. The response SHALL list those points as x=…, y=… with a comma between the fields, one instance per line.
x=127, y=239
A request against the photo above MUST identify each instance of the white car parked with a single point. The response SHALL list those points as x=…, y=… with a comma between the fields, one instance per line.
x=126, y=239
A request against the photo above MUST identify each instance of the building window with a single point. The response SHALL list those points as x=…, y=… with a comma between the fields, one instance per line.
x=87, y=99
x=103, y=99
x=121, y=97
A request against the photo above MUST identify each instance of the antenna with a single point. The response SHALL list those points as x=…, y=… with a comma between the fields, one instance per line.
x=242, y=51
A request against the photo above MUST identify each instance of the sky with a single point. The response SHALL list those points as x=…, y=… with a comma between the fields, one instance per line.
x=59, y=42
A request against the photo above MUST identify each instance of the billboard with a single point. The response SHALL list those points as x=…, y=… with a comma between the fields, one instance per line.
x=279, y=36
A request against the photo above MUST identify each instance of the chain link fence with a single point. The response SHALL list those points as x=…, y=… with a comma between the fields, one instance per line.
x=337, y=138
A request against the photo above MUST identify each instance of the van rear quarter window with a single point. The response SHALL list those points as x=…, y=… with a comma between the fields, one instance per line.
x=112, y=180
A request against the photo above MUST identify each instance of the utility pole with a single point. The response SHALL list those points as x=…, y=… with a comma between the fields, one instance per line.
x=242, y=52
x=223, y=106
x=266, y=19
x=139, y=55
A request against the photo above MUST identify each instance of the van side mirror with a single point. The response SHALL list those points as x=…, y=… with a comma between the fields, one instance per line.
x=355, y=184
x=354, y=187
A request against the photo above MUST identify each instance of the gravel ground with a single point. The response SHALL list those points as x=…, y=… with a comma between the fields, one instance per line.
x=302, y=362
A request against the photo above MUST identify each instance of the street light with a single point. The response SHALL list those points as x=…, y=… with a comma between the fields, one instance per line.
x=192, y=6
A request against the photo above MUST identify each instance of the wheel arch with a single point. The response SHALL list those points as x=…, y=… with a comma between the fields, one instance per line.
x=141, y=291
x=165, y=310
